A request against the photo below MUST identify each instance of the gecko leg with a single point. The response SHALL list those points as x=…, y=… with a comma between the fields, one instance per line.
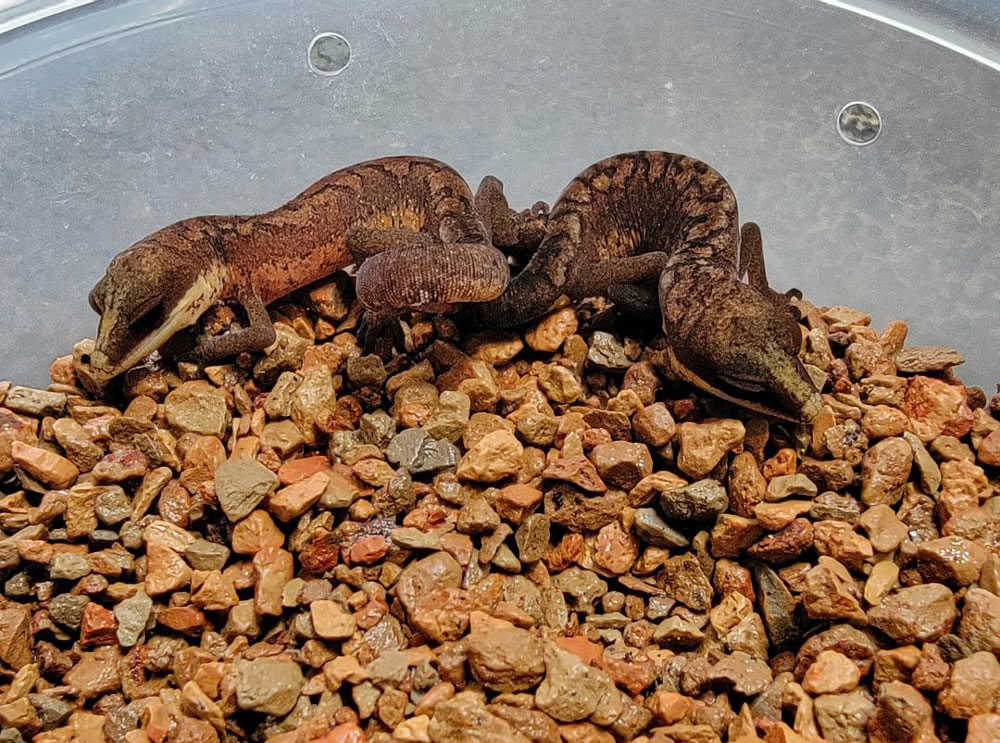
x=752, y=257
x=632, y=269
x=257, y=337
x=752, y=265
x=516, y=233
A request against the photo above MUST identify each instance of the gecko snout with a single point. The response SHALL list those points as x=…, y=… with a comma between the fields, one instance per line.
x=743, y=346
x=149, y=293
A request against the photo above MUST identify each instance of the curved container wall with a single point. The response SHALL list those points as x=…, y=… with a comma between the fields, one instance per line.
x=117, y=118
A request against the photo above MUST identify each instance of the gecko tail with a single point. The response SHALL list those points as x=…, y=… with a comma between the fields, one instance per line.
x=528, y=296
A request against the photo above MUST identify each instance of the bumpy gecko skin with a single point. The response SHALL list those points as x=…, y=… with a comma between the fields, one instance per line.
x=643, y=215
x=414, y=218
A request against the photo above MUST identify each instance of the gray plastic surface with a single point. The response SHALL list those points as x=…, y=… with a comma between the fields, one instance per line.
x=117, y=118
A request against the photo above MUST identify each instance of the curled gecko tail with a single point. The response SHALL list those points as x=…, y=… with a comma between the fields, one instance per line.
x=432, y=276
x=528, y=296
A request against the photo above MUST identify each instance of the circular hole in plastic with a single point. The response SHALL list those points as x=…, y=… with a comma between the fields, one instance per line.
x=329, y=54
x=859, y=123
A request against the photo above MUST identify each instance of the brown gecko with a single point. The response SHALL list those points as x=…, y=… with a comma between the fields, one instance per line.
x=643, y=216
x=422, y=240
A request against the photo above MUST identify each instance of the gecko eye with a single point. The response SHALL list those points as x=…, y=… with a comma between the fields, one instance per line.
x=148, y=319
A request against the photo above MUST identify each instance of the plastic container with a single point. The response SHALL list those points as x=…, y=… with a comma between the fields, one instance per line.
x=117, y=118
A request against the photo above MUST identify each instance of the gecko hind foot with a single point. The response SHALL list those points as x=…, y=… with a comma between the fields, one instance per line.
x=379, y=332
x=517, y=234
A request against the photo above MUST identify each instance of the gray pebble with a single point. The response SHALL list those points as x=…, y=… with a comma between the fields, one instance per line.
x=205, y=555
x=67, y=609
x=415, y=450
x=112, y=506
x=607, y=353
x=132, y=615
x=652, y=528
x=51, y=711
x=700, y=501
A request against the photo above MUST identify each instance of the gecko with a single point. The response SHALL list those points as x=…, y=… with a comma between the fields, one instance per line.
x=421, y=237
x=670, y=220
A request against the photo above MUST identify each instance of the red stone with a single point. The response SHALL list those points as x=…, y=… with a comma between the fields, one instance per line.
x=187, y=619
x=98, y=626
x=368, y=550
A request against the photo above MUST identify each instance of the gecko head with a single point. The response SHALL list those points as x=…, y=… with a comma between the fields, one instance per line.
x=743, y=346
x=150, y=291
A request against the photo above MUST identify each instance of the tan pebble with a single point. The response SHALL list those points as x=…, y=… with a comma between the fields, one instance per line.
x=561, y=385
x=880, y=581
x=373, y=472
x=214, y=591
x=654, y=425
x=702, y=445
x=885, y=531
x=197, y=407
x=732, y=534
x=331, y=621
x=254, y=533
x=747, y=485
x=830, y=592
x=973, y=688
x=953, y=559
x=839, y=540
x=984, y=729
x=166, y=570
x=895, y=664
x=622, y=464
x=783, y=486
x=964, y=486
x=921, y=613
x=578, y=470
x=282, y=436
x=831, y=673
x=935, y=407
x=18, y=715
x=413, y=730
x=50, y=468
x=776, y=516
x=549, y=333
x=414, y=404
x=275, y=567
x=884, y=471
x=615, y=549
x=493, y=347
x=294, y=500
x=882, y=421
x=494, y=457
x=821, y=423
x=268, y=685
